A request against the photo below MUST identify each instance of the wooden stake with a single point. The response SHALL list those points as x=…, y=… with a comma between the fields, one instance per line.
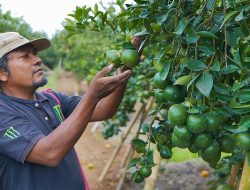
x=233, y=174
x=131, y=151
x=245, y=177
x=115, y=152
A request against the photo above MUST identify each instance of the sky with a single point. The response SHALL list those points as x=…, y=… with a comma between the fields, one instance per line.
x=44, y=15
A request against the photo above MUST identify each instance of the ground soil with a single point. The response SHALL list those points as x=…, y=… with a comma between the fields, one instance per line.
x=94, y=151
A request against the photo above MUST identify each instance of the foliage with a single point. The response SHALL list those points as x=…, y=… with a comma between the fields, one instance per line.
x=202, y=45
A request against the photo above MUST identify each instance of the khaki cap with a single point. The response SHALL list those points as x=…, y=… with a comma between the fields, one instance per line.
x=12, y=40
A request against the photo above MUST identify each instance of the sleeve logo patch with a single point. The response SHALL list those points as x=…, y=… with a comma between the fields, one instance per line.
x=11, y=133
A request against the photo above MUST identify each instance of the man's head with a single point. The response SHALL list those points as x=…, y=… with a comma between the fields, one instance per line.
x=19, y=63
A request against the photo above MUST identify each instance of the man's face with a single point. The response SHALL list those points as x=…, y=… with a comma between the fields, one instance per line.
x=25, y=68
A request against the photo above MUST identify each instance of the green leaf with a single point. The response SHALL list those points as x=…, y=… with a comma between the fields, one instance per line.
x=206, y=34
x=244, y=28
x=205, y=84
x=244, y=97
x=184, y=80
x=144, y=14
x=193, y=110
x=163, y=53
x=192, y=39
x=206, y=50
x=160, y=18
x=221, y=89
x=228, y=17
x=165, y=70
x=181, y=26
x=230, y=69
x=210, y=4
x=196, y=65
x=237, y=85
x=240, y=16
x=142, y=33
x=243, y=126
x=148, y=26
x=127, y=45
x=192, y=81
x=145, y=127
x=216, y=66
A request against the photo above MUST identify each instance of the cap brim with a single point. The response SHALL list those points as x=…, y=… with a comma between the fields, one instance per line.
x=40, y=44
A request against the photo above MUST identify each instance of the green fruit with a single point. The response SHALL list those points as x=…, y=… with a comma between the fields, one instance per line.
x=180, y=143
x=138, y=178
x=159, y=96
x=214, y=161
x=226, y=143
x=203, y=140
x=165, y=152
x=173, y=94
x=224, y=187
x=140, y=146
x=182, y=133
x=196, y=123
x=113, y=57
x=161, y=138
x=177, y=115
x=214, y=122
x=243, y=140
x=130, y=57
x=145, y=171
x=158, y=82
x=193, y=149
x=210, y=152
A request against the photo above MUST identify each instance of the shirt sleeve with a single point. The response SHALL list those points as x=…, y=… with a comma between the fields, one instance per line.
x=68, y=103
x=17, y=135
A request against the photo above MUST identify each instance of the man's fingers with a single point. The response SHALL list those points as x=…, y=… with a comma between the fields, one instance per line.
x=105, y=71
x=136, y=42
x=117, y=78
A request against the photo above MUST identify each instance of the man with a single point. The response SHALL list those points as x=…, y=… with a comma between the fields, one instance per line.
x=36, y=144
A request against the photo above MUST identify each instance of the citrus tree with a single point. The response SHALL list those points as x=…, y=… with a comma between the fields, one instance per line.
x=199, y=52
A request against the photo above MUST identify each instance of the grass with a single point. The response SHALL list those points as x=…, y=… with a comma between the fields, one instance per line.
x=180, y=155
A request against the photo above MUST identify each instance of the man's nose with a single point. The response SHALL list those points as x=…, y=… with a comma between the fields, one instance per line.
x=36, y=59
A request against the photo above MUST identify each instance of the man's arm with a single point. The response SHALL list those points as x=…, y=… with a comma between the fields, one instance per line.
x=50, y=150
x=108, y=106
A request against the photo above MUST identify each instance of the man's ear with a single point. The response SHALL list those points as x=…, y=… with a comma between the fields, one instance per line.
x=4, y=75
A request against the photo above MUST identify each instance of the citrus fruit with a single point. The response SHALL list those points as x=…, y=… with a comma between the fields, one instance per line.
x=226, y=143
x=180, y=143
x=130, y=57
x=145, y=171
x=193, y=149
x=158, y=82
x=210, y=152
x=243, y=140
x=161, y=138
x=140, y=146
x=159, y=96
x=214, y=161
x=165, y=152
x=113, y=56
x=173, y=94
x=214, y=122
x=196, y=123
x=203, y=140
x=177, y=114
x=182, y=132
x=204, y=173
x=138, y=178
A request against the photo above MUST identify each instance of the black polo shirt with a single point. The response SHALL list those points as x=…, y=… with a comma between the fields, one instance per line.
x=22, y=124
